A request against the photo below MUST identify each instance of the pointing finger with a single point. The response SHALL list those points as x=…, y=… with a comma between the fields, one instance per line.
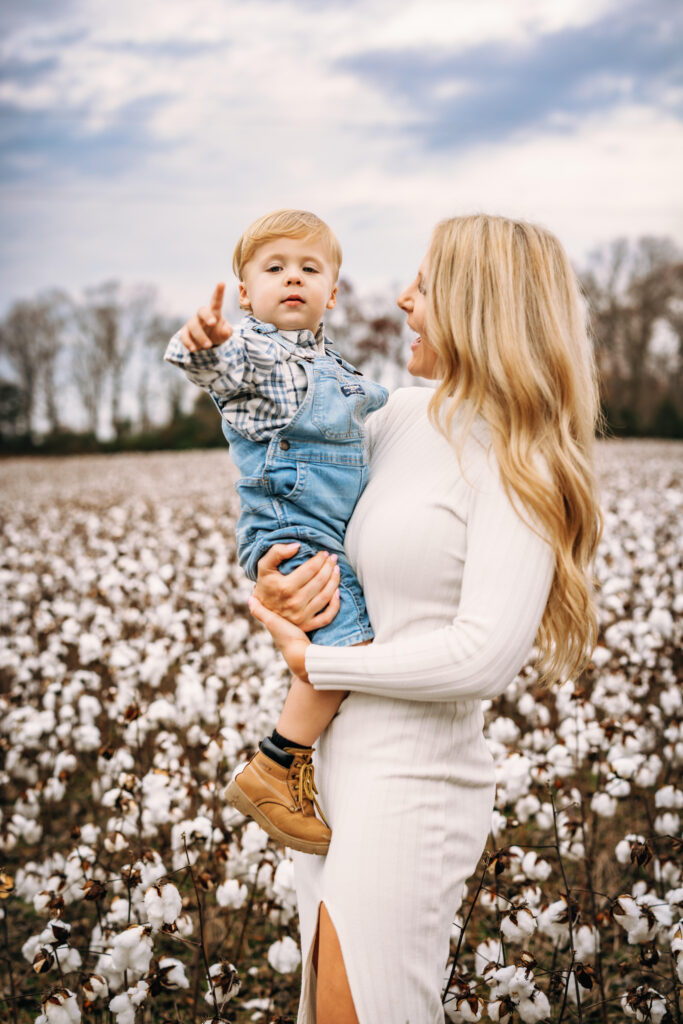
x=217, y=298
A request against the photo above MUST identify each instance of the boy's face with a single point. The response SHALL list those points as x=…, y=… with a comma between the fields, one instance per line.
x=289, y=282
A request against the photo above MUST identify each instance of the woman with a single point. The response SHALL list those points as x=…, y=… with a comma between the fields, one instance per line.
x=473, y=539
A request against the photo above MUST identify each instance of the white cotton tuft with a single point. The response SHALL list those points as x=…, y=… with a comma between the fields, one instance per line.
x=284, y=955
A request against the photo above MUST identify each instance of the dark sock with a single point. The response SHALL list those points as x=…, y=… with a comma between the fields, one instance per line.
x=282, y=742
x=276, y=754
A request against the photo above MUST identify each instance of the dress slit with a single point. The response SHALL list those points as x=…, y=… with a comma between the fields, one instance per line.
x=307, y=1007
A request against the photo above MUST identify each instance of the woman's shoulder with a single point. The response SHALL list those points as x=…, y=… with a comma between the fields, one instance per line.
x=403, y=409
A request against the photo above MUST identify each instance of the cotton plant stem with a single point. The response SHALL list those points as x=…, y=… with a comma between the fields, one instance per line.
x=569, y=920
x=464, y=928
x=247, y=914
x=9, y=970
x=588, y=865
x=202, y=934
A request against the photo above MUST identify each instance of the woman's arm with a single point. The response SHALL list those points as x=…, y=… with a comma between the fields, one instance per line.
x=507, y=576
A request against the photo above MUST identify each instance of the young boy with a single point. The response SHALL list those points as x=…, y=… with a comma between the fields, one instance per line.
x=293, y=413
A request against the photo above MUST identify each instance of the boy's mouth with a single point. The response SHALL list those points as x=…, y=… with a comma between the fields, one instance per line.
x=293, y=300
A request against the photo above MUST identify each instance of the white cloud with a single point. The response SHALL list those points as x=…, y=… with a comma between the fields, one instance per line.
x=265, y=118
x=458, y=24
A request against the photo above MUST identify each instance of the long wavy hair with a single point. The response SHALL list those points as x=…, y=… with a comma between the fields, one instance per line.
x=507, y=319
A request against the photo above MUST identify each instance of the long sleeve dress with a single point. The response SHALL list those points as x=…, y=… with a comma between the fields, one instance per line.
x=456, y=583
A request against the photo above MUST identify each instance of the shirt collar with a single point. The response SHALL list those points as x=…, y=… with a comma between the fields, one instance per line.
x=305, y=343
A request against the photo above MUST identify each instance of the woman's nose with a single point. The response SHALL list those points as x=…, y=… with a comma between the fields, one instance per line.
x=405, y=301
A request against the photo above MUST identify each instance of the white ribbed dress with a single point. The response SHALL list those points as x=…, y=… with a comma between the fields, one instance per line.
x=455, y=584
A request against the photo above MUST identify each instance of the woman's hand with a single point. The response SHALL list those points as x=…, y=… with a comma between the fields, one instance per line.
x=289, y=639
x=308, y=596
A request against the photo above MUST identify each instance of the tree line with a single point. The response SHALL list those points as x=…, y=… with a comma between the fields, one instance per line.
x=87, y=374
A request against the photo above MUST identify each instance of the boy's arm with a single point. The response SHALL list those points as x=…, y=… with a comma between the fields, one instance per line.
x=206, y=349
x=220, y=369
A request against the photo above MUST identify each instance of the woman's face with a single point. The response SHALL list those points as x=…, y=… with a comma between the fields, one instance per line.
x=413, y=301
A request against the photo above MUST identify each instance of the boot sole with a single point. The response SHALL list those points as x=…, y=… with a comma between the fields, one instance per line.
x=238, y=799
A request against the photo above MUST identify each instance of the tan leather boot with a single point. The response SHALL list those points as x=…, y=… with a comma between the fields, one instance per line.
x=281, y=799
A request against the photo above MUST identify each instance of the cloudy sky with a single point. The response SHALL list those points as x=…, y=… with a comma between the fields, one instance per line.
x=139, y=137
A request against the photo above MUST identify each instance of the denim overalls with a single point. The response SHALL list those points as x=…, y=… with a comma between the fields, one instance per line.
x=304, y=482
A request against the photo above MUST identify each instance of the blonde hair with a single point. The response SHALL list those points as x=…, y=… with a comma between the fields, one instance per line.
x=285, y=224
x=506, y=317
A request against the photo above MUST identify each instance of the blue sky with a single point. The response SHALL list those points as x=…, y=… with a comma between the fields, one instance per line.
x=139, y=139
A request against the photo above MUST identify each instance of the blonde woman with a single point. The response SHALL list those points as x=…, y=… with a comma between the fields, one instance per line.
x=473, y=540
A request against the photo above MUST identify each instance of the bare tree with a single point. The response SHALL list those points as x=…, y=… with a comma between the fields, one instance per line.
x=113, y=319
x=159, y=329
x=632, y=288
x=31, y=338
x=362, y=329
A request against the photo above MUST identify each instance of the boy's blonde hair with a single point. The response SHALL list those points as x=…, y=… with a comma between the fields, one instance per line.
x=285, y=224
x=505, y=315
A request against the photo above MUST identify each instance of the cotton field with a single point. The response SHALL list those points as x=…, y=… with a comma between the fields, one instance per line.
x=134, y=680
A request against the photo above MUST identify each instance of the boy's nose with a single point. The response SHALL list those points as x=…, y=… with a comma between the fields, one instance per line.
x=293, y=277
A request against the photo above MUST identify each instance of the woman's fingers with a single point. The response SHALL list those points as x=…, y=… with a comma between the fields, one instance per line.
x=325, y=617
x=275, y=556
x=321, y=598
x=281, y=629
x=269, y=619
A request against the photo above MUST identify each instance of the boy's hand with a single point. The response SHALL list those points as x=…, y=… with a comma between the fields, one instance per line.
x=208, y=327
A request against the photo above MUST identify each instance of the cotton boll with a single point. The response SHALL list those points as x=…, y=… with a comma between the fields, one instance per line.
x=623, y=848
x=231, y=894
x=124, y=1005
x=534, y=867
x=254, y=841
x=224, y=983
x=94, y=987
x=90, y=648
x=668, y=823
x=534, y=1009
x=284, y=955
x=669, y=797
x=69, y=958
x=553, y=921
x=132, y=949
x=499, y=1011
x=162, y=904
x=526, y=807
x=487, y=952
x=518, y=925
x=670, y=700
x=586, y=942
x=60, y=1007
x=661, y=620
x=173, y=973
x=604, y=805
x=498, y=823
x=42, y=900
x=466, y=1008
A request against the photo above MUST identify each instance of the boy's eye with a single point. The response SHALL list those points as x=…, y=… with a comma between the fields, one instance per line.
x=274, y=268
x=310, y=270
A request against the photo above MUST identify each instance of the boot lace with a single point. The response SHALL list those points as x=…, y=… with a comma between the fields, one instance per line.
x=307, y=788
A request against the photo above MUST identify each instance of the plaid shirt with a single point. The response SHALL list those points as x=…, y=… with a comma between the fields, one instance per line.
x=254, y=377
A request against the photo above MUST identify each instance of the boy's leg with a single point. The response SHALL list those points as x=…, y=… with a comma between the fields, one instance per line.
x=307, y=712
